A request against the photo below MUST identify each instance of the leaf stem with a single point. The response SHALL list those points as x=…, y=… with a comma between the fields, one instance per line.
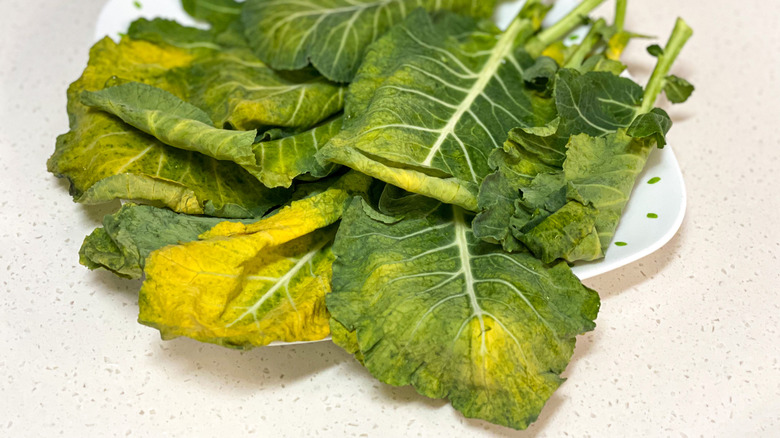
x=680, y=35
x=620, y=14
x=561, y=28
x=591, y=39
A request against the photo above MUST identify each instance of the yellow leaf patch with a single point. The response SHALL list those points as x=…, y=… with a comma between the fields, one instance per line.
x=250, y=285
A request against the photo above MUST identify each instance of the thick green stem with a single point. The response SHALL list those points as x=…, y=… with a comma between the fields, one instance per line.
x=558, y=30
x=680, y=35
x=620, y=14
x=588, y=43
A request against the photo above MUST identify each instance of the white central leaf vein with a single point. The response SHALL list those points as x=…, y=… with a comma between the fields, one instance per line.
x=501, y=50
x=282, y=282
x=468, y=277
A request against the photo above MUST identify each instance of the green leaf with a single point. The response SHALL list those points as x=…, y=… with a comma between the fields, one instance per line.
x=572, y=209
x=433, y=98
x=600, y=174
x=433, y=306
x=602, y=63
x=655, y=50
x=129, y=235
x=541, y=75
x=279, y=161
x=105, y=159
x=568, y=232
x=677, y=89
x=172, y=121
x=345, y=339
x=219, y=13
x=162, y=31
x=332, y=35
x=568, y=211
x=523, y=157
x=234, y=87
x=596, y=103
x=239, y=91
x=655, y=124
x=181, y=125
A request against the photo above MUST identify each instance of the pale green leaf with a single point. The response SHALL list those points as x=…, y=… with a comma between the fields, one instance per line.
x=176, y=123
x=172, y=121
x=234, y=87
x=279, y=161
x=238, y=90
x=434, y=97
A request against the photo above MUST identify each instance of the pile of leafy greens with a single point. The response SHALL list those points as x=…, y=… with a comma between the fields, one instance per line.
x=399, y=174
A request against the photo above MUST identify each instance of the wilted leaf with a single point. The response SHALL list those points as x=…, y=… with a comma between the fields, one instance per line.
x=129, y=235
x=434, y=307
x=104, y=158
x=247, y=285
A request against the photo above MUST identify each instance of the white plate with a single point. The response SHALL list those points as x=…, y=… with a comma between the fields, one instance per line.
x=642, y=235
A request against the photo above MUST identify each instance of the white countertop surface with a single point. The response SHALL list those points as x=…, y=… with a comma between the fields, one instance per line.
x=687, y=340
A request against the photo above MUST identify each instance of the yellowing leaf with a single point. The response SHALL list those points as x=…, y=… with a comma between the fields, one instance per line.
x=617, y=44
x=249, y=285
x=105, y=158
x=556, y=51
x=238, y=296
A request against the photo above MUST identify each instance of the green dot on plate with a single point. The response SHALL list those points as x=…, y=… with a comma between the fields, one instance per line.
x=621, y=243
x=652, y=215
x=654, y=180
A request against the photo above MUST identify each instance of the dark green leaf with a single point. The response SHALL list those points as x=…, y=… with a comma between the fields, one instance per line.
x=654, y=124
x=129, y=235
x=677, y=89
x=596, y=103
x=655, y=50
x=332, y=35
x=219, y=13
x=432, y=306
x=433, y=99
x=541, y=75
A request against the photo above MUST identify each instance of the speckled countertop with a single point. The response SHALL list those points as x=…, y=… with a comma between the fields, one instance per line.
x=687, y=338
